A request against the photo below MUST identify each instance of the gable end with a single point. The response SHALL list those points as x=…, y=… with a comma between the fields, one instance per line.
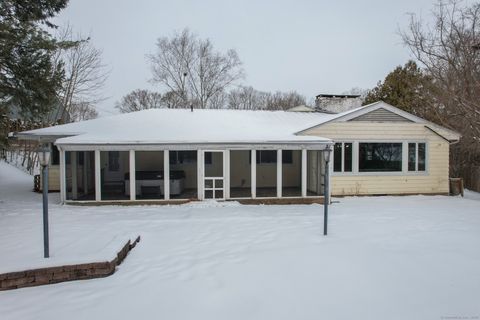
x=381, y=115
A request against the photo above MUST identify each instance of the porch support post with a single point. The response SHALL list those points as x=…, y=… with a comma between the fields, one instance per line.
x=74, y=162
x=253, y=177
x=84, y=171
x=133, y=188
x=98, y=182
x=226, y=175
x=62, y=176
x=200, y=174
x=304, y=173
x=166, y=174
x=279, y=173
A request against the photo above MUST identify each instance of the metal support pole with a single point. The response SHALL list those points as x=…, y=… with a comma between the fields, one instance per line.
x=45, y=212
x=326, y=199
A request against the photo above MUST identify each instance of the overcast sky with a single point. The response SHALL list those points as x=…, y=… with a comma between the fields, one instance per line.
x=309, y=46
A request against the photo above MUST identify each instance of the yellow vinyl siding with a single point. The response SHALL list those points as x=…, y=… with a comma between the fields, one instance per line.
x=434, y=180
x=53, y=178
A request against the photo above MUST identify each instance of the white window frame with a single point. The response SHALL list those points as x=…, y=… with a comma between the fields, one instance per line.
x=343, y=172
x=416, y=171
x=404, y=172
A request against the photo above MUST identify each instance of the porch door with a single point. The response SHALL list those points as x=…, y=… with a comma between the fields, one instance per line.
x=214, y=175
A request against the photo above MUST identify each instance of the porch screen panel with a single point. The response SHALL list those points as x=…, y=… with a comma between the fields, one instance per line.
x=149, y=175
x=266, y=173
x=80, y=175
x=240, y=174
x=183, y=174
x=114, y=175
x=291, y=173
x=315, y=173
x=68, y=175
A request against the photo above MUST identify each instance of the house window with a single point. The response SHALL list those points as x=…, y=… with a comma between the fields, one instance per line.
x=416, y=156
x=270, y=156
x=380, y=157
x=342, y=157
x=181, y=157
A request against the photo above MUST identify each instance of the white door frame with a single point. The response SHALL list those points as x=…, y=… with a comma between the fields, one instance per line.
x=214, y=179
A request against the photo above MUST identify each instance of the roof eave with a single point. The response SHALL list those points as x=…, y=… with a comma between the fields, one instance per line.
x=41, y=138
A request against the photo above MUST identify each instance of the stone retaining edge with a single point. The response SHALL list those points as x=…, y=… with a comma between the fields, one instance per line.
x=51, y=275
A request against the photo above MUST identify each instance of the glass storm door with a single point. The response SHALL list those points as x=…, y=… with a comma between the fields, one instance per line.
x=214, y=175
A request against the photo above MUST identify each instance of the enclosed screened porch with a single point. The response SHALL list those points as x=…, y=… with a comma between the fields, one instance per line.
x=157, y=175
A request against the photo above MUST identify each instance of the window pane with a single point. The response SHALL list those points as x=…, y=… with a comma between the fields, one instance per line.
x=348, y=157
x=267, y=156
x=337, y=157
x=421, y=157
x=411, y=156
x=380, y=157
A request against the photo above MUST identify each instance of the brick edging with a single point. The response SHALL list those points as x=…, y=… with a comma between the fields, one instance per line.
x=50, y=275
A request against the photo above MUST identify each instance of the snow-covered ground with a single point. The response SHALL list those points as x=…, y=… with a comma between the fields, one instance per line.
x=385, y=258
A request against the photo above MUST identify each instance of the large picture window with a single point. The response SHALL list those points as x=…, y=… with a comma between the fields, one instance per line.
x=342, y=157
x=380, y=157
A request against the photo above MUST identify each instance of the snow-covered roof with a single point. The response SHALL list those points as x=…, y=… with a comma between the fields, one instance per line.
x=301, y=108
x=209, y=126
x=182, y=126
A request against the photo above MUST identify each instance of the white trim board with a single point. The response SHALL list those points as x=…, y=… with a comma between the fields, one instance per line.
x=194, y=147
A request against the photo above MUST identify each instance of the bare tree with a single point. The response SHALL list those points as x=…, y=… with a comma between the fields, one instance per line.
x=190, y=68
x=219, y=100
x=85, y=73
x=284, y=100
x=448, y=50
x=140, y=100
x=247, y=98
x=80, y=111
x=171, y=100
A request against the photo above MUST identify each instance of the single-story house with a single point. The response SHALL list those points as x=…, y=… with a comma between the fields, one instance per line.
x=178, y=155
